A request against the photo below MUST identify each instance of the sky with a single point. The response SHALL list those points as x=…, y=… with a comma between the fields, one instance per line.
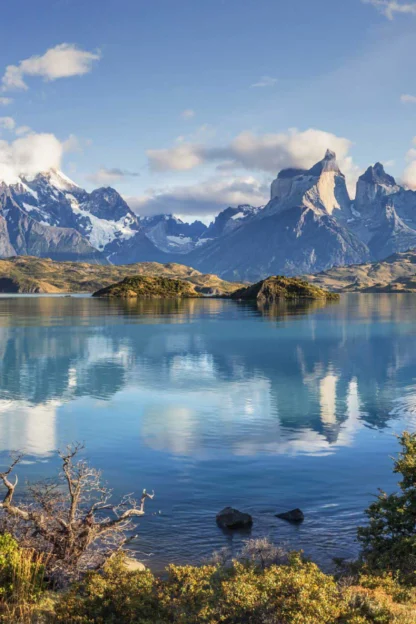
x=188, y=106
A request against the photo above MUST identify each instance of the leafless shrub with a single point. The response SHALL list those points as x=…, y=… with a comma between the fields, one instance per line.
x=263, y=553
x=72, y=519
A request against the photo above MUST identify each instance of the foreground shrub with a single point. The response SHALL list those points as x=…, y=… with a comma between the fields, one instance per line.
x=114, y=595
x=22, y=583
x=295, y=593
x=389, y=540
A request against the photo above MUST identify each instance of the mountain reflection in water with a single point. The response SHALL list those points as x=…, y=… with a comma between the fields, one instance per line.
x=273, y=405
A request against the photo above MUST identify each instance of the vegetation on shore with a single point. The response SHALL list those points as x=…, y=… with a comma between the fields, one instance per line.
x=146, y=287
x=26, y=274
x=262, y=585
x=278, y=287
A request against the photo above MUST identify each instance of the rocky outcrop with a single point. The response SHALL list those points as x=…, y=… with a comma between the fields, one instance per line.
x=230, y=518
x=295, y=516
x=278, y=288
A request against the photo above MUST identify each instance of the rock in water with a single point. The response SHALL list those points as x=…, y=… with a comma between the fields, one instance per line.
x=296, y=515
x=230, y=518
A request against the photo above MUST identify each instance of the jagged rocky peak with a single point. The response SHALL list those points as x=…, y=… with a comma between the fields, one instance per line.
x=377, y=175
x=372, y=187
x=229, y=219
x=106, y=203
x=322, y=188
x=329, y=163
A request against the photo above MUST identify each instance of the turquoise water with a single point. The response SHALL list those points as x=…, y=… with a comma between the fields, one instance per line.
x=214, y=403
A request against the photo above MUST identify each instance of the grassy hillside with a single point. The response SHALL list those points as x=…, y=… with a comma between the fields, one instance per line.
x=396, y=274
x=277, y=287
x=148, y=287
x=26, y=274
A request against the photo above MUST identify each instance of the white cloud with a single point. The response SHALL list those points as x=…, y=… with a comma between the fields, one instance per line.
x=188, y=113
x=106, y=177
x=7, y=123
x=179, y=158
x=409, y=175
x=62, y=61
x=21, y=130
x=390, y=7
x=408, y=99
x=28, y=155
x=267, y=152
x=265, y=81
x=201, y=199
x=4, y=101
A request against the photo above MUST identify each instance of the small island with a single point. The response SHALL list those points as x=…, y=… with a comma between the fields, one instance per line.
x=146, y=287
x=278, y=287
x=270, y=290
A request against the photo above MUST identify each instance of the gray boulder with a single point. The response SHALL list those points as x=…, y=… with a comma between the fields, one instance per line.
x=295, y=515
x=229, y=518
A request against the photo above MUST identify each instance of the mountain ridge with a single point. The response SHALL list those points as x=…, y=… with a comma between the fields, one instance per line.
x=309, y=225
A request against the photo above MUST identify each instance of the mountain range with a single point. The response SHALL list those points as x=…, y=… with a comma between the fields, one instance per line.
x=309, y=225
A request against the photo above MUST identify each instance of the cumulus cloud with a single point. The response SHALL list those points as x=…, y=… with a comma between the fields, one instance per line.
x=4, y=101
x=390, y=7
x=28, y=155
x=267, y=152
x=179, y=158
x=62, y=61
x=408, y=99
x=7, y=123
x=188, y=113
x=409, y=175
x=105, y=176
x=265, y=81
x=202, y=199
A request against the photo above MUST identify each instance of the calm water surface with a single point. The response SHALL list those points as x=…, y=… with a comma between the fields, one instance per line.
x=213, y=403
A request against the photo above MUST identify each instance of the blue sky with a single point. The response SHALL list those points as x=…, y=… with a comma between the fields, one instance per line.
x=187, y=106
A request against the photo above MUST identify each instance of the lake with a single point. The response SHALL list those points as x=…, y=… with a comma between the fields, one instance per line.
x=214, y=403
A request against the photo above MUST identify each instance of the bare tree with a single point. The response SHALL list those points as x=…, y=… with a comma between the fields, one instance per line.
x=71, y=519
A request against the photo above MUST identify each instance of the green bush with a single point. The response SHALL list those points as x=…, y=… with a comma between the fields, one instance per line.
x=389, y=540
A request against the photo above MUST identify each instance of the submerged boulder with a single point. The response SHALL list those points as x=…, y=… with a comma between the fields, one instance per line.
x=229, y=518
x=295, y=515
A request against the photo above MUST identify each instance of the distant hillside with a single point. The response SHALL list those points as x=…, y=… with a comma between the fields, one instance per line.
x=40, y=275
x=277, y=287
x=148, y=287
x=396, y=274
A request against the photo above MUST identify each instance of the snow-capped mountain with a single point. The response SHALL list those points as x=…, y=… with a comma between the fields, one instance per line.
x=172, y=235
x=310, y=224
